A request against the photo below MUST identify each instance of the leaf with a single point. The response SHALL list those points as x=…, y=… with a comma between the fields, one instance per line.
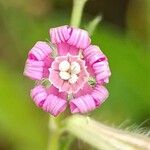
x=93, y=24
x=101, y=136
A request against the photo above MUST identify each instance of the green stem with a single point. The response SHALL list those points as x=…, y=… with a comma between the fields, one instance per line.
x=77, y=10
x=56, y=130
x=54, y=134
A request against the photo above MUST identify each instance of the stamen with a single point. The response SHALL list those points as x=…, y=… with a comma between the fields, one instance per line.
x=75, y=68
x=64, y=66
x=64, y=75
x=73, y=79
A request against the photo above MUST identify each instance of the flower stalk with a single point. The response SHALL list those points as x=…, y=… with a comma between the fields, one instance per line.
x=53, y=134
x=77, y=11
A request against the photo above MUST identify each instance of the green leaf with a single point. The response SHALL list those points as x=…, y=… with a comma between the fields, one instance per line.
x=93, y=24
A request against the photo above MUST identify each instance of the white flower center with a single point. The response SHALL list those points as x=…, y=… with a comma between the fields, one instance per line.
x=75, y=67
x=64, y=66
x=69, y=71
x=73, y=79
x=64, y=75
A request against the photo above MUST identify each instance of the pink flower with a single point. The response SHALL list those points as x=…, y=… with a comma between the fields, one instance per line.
x=76, y=75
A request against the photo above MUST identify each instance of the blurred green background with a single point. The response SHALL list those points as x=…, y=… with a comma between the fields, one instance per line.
x=123, y=35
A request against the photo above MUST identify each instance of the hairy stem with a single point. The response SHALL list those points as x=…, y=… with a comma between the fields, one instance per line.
x=101, y=136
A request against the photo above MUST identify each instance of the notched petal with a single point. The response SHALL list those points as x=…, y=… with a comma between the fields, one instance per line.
x=39, y=51
x=79, y=38
x=60, y=34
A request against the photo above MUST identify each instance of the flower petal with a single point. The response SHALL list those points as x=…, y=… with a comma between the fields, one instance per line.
x=65, y=86
x=38, y=61
x=60, y=34
x=82, y=104
x=39, y=51
x=47, y=99
x=34, y=69
x=63, y=49
x=89, y=102
x=102, y=71
x=38, y=94
x=93, y=54
x=98, y=62
x=66, y=36
x=54, y=105
x=99, y=94
x=73, y=50
x=85, y=90
x=55, y=79
x=53, y=90
x=79, y=38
